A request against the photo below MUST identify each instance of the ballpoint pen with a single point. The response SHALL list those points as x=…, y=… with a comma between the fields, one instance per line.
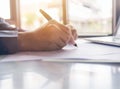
x=48, y=17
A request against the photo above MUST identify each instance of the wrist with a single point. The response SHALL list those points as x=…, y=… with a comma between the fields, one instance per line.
x=24, y=39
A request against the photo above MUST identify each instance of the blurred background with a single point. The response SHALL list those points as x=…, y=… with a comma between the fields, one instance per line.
x=89, y=17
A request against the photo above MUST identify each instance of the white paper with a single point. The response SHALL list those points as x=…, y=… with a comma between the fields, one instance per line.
x=83, y=51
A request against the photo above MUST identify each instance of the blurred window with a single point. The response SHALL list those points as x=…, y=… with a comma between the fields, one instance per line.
x=5, y=9
x=9, y=10
x=90, y=17
x=31, y=18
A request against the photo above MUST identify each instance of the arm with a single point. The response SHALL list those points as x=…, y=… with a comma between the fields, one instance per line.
x=8, y=38
x=8, y=43
x=24, y=41
x=51, y=36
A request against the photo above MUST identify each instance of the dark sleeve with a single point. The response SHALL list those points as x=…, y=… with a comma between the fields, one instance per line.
x=8, y=38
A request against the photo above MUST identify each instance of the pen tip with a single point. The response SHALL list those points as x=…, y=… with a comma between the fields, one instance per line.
x=75, y=45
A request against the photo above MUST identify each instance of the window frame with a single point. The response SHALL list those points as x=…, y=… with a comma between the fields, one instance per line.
x=64, y=11
x=114, y=19
x=14, y=13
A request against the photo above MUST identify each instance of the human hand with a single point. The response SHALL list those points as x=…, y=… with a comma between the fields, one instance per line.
x=51, y=36
x=74, y=35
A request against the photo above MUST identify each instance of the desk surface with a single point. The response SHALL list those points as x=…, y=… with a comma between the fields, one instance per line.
x=53, y=75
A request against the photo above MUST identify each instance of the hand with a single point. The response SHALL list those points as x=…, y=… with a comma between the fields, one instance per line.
x=51, y=36
x=74, y=35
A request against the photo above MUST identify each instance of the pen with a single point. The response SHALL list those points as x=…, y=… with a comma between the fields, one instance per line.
x=48, y=17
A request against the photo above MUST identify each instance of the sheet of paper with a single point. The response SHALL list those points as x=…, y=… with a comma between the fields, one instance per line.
x=83, y=51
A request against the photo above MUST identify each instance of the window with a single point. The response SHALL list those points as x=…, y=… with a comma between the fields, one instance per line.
x=91, y=17
x=30, y=15
x=10, y=11
x=5, y=9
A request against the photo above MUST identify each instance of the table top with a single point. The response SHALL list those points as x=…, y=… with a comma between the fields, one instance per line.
x=59, y=75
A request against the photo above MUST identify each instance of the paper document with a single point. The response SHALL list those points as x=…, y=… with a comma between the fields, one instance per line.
x=85, y=50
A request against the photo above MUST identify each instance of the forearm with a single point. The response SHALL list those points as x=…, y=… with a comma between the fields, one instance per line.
x=8, y=38
x=24, y=41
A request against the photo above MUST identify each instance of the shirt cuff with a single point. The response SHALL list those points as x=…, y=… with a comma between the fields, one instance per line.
x=8, y=41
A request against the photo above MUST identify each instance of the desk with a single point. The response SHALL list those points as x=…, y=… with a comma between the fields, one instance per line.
x=33, y=70
x=56, y=75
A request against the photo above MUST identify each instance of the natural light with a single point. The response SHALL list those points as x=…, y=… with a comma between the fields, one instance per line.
x=5, y=9
x=91, y=17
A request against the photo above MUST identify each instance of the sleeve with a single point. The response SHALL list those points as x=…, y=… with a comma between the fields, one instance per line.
x=8, y=38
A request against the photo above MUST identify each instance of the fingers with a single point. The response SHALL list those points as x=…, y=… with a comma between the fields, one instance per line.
x=64, y=31
x=57, y=32
x=62, y=35
x=73, y=31
x=71, y=41
x=74, y=34
x=68, y=29
x=68, y=33
x=61, y=26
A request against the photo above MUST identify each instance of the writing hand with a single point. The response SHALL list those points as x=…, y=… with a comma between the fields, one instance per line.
x=51, y=36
